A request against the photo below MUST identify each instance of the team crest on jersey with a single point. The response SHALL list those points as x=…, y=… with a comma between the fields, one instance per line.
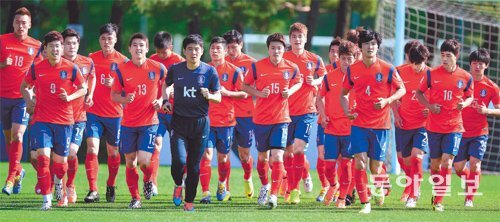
x=201, y=80
x=482, y=93
x=151, y=75
x=31, y=51
x=378, y=77
x=114, y=66
x=286, y=74
x=85, y=71
x=460, y=84
x=225, y=77
x=309, y=65
x=63, y=74
x=243, y=69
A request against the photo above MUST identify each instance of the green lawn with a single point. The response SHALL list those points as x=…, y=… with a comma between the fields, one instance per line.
x=25, y=206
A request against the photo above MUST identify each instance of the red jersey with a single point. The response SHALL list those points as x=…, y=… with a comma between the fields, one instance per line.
x=105, y=68
x=48, y=81
x=485, y=91
x=223, y=114
x=243, y=107
x=331, y=88
x=330, y=67
x=446, y=89
x=379, y=80
x=86, y=67
x=144, y=81
x=174, y=58
x=410, y=110
x=23, y=54
x=264, y=74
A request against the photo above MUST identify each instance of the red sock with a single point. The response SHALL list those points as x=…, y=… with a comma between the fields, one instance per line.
x=339, y=169
x=132, y=178
x=402, y=165
x=72, y=169
x=113, y=167
x=43, y=174
x=320, y=167
x=307, y=167
x=353, y=180
x=247, y=168
x=361, y=182
x=52, y=173
x=331, y=172
x=416, y=176
x=473, y=184
x=92, y=168
x=7, y=148
x=155, y=165
x=276, y=176
x=205, y=174
x=464, y=175
x=263, y=169
x=15, y=154
x=223, y=169
x=445, y=174
x=289, y=174
x=345, y=177
x=147, y=173
x=298, y=164
x=60, y=169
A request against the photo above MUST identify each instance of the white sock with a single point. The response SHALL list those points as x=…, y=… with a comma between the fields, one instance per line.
x=47, y=198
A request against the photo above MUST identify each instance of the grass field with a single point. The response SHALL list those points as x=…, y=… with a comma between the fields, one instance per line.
x=25, y=206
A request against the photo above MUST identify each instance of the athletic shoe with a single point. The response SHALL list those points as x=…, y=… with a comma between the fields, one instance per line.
x=411, y=203
x=221, y=191
x=330, y=194
x=71, y=193
x=155, y=190
x=438, y=207
x=263, y=195
x=379, y=196
x=135, y=204
x=321, y=195
x=284, y=187
x=248, y=188
x=206, y=198
x=308, y=184
x=58, y=191
x=273, y=201
x=92, y=197
x=469, y=203
x=110, y=194
x=7, y=189
x=177, y=197
x=365, y=208
x=63, y=202
x=148, y=189
x=46, y=206
x=349, y=200
x=295, y=196
x=189, y=207
x=340, y=204
x=18, y=182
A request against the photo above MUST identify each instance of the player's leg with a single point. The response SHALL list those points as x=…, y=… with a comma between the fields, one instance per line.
x=93, y=132
x=178, y=151
x=206, y=167
x=331, y=154
x=277, y=143
x=301, y=140
x=145, y=147
x=414, y=164
x=128, y=146
x=76, y=141
x=476, y=151
x=262, y=137
x=243, y=138
x=320, y=164
x=60, y=152
x=359, y=148
x=224, y=140
x=376, y=153
x=404, y=145
x=112, y=135
x=451, y=142
x=289, y=161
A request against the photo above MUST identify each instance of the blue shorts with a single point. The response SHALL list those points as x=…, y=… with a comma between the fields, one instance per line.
x=31, y=137
x=13, y=111
x=472, y=146
x=77, y=134
x=300, y=128
x=164, y=125
x=102, y=126
x=50, y=135
x=440, y=143
x=271, y=136
x=320, y=138
x=243, y=132
x=335, y=145
x=371, y=141
x=221, y=138
x=133, y=139
x=406, y=140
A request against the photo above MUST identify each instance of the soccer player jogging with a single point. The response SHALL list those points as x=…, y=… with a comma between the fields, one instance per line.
x=272, y=80
x=104, y=117
x=376, y=85
x=302, y=110
x=244, y=109
x=333, y=55
x=337, y=126
x=195, y=84
x=410, y=119
x=164, y=55
x=70, y=45
x=54, y=79
x=17, y=52
x=450, y=91
x=475, y=137
x=222, y=122
x=137, y=86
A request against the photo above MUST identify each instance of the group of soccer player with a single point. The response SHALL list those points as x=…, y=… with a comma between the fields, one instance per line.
x=234, y=99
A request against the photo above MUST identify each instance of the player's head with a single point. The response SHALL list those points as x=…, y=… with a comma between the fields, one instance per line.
x=22, y=22
x=163, y=44
x=347, y=53
x=52, y=45
x=353, y=35
x=276, y=46
x=479, y=61
x=449, y=52
x=138, y=45
x=71, y=42
x=218, y=48
x=192, y=47
x=234, y=41
x=107, y=37
x=333, y=50
x=298, y=36
x=407, y=48
x=369, y=42
x=418, y=54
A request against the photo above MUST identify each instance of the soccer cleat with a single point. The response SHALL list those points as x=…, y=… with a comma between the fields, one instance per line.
x=263, y=195
x=71, y=192
x=379, y=196
x=308, y=184
x=189, y=207
x=273, y=201
x=148, y=189
x=365, y=208
x=330, y=194
x=63, y=202
x=349, y=200
x=228, y=196
x=154, y=190
x=284, y=187
x=46, y=206
x=92, y=197
x=135, y=204
x=340, y=204
x=295, y=196
x=248, y=188
x=110, y=194
x=7, y=189
x=221, y=191
x=469, y=203
x=321, y=195
x=438, y=207
x=206, y=198
x=58, y=191
x=404, y=197
x=177, y=197
x=411, y=203
x=18, y=182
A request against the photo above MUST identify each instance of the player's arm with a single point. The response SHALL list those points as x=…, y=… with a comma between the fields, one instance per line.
x=27, y=92
x=80, y=92
x=344, y=103
x=320, y=104
x=116, y=96
x=233, y=94
x=310, y=80
x=490, y=112
x=398, y=122
x=295, y=87
x=89, y=101
x=254, y=92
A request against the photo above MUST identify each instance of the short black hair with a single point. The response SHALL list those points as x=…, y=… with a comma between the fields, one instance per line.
x=409, y=45
x=336, y=41
x=70, y=33
x=233, y=36
x=192, y=38
x=276, y=37
x=450, y=45
x=138, y=35
x=108, y=28
x=162, y=40
x=52, y=36
x=480, y=55
x=218, y=39
x=418, y=54
x=368, y=35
